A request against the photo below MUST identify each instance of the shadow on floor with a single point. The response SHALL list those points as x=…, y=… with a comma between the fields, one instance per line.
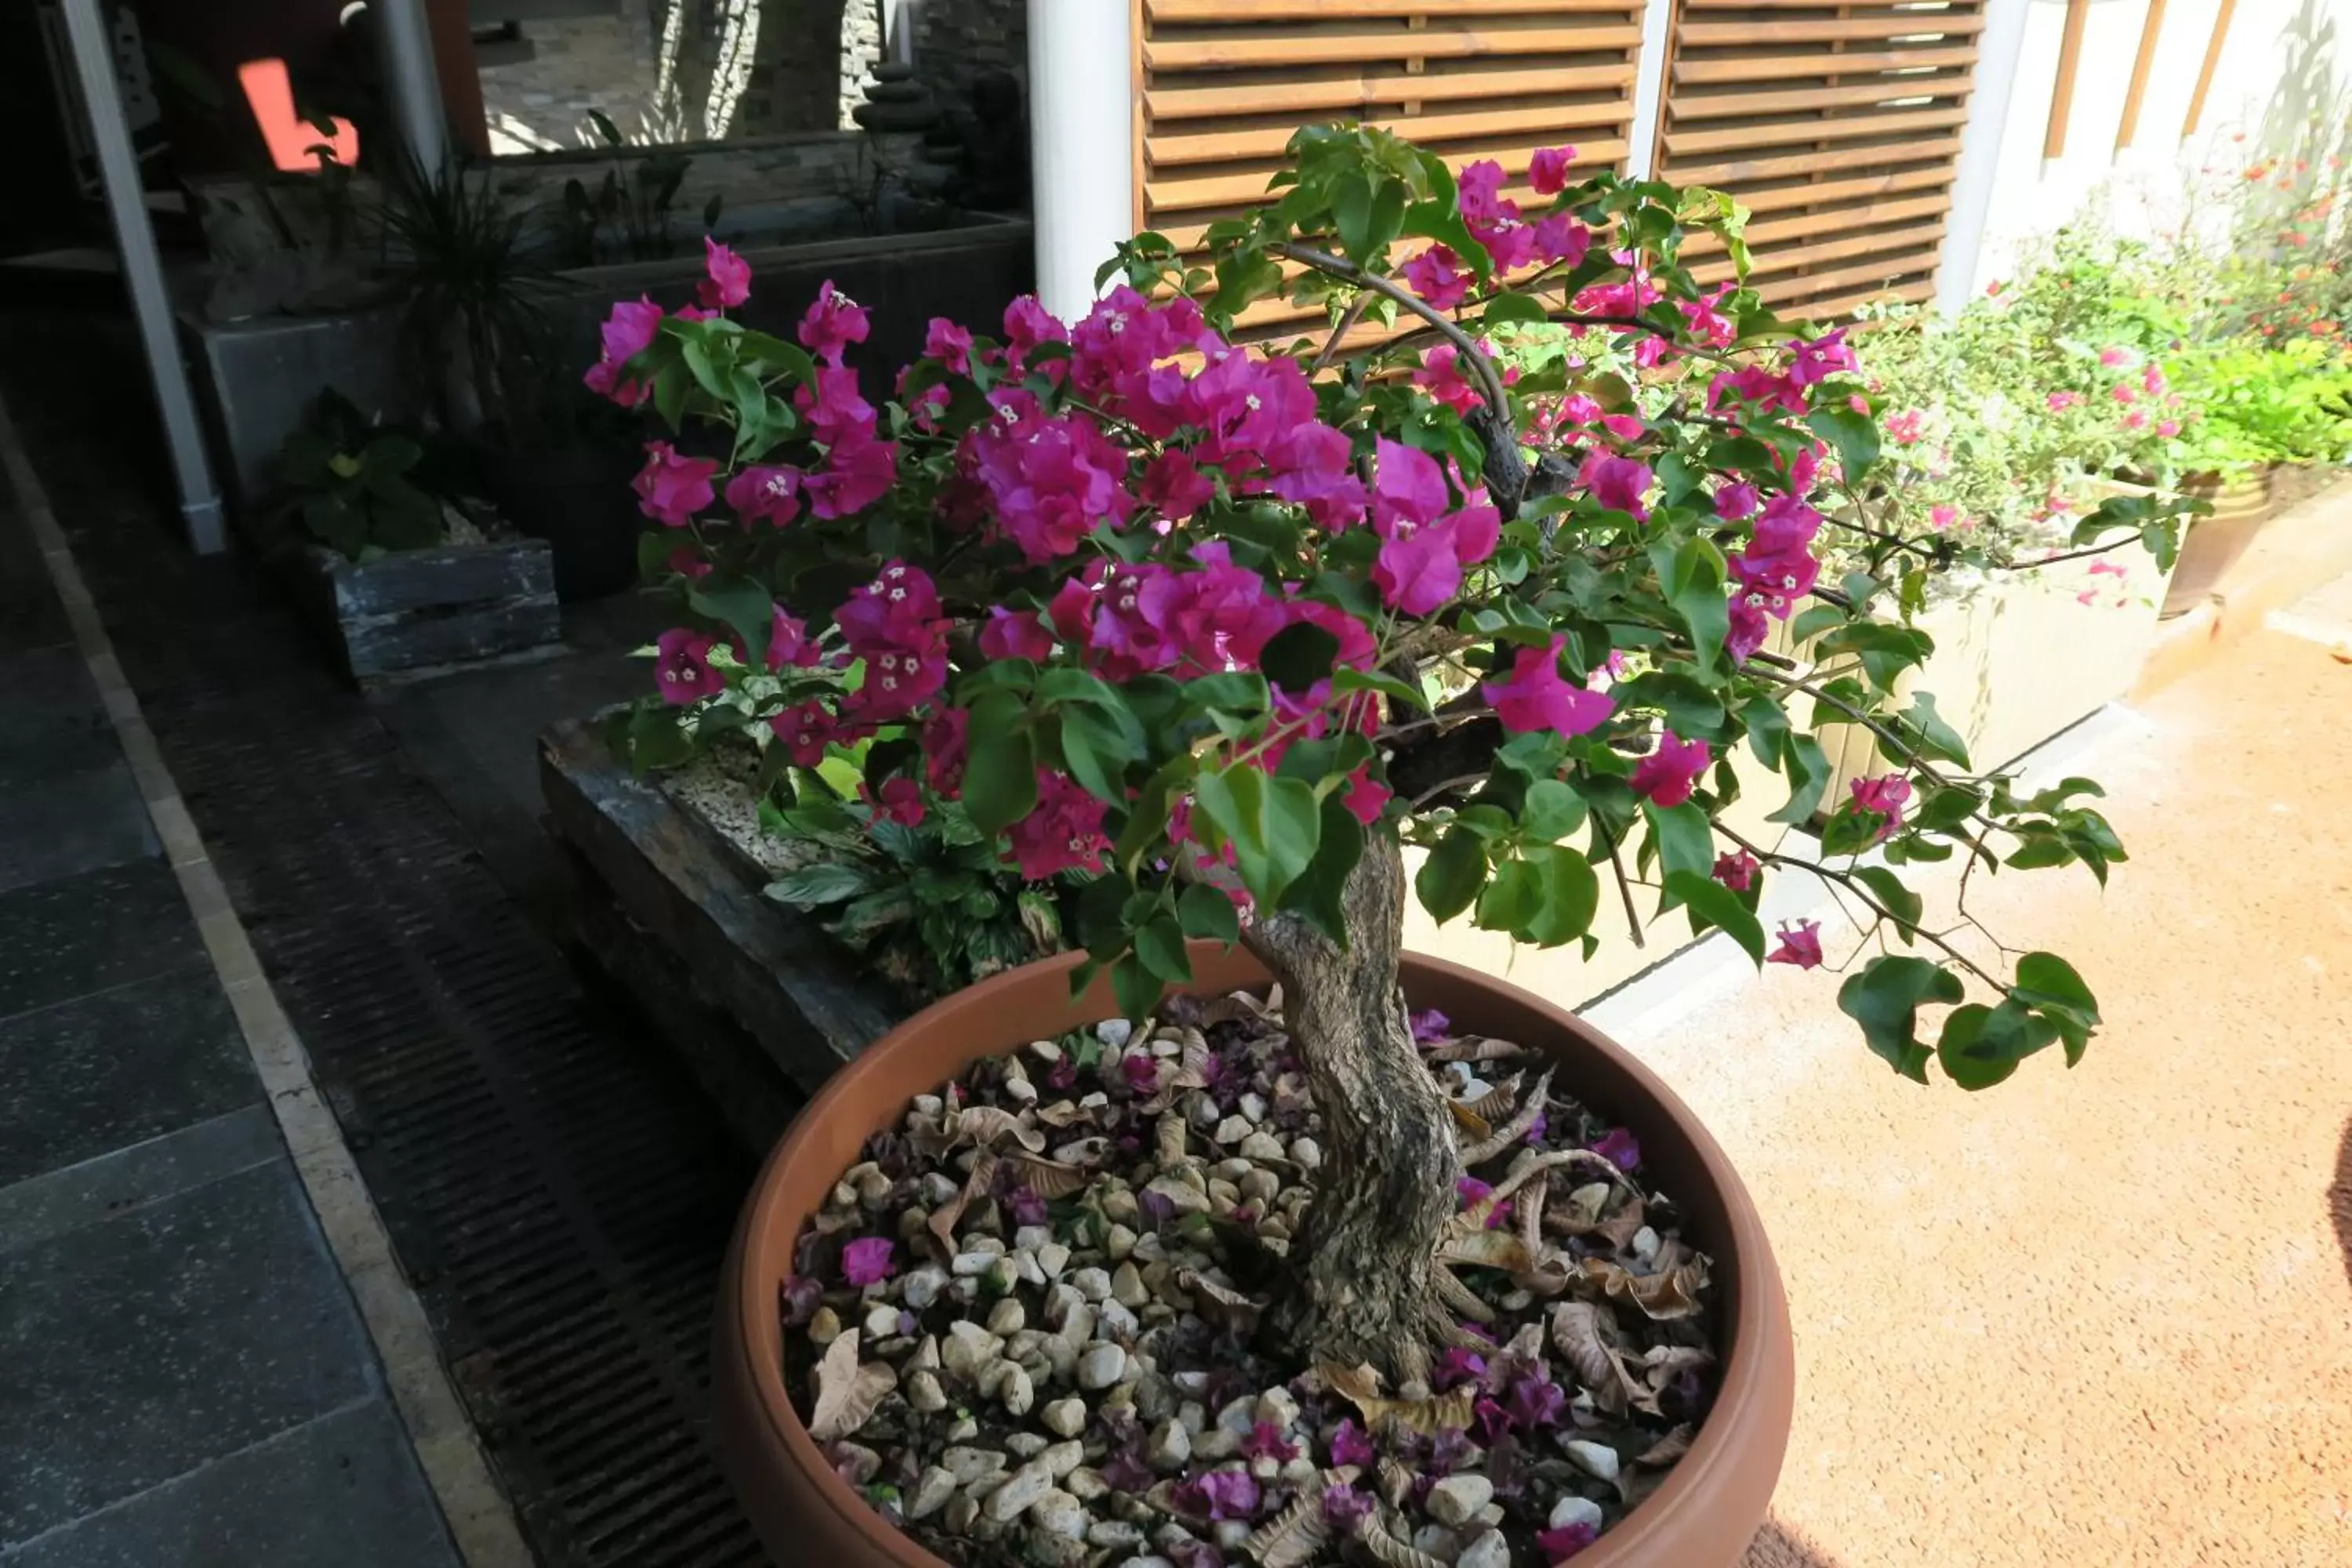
x=2339, y=1199
x=1777, y=1546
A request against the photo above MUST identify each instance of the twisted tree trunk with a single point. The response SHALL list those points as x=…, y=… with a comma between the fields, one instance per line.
x=1363, y=1290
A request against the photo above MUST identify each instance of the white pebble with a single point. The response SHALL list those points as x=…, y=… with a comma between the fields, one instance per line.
x=1006, y=1317
x=882, y=1322
x=1094, y=1284
x=1114, y=1033
x=1489, y=1551
x=1456, y=1499
x=1063, y=1418
x=932, y=1489
x=1573, y=1509
x=1593, y=1458
x=1305, y=1154
x=1101, y=1367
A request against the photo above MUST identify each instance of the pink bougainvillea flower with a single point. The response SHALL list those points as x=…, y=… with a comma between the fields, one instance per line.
x=1617, y=483
x=682, y=671
x=726, y=277
x=1818, y=358
x=1027, y=324
x=1800, y=944
x=765, y=493
x=2124, y=392
x=1350, y=1445
x=803, y=731
x=1537, y=698
x=2168, y=428
x=835, y=410
x=944, y=748
x=1441, y=377
x=900, y=800
x=1559, y=1545
x=1560, y=240
x=1408, y=486
x=832, y=323
x=1344, y=1508
x=2112, y=357
x=1063, y=833
x=1478, y=193
x=1751, y=628
x=856, y=475
x=671, y=489
x=1419, y=568
x=949, y=343
x=1429, y=1026
x=1907, y=426
x=627, y=332
x=1456, y=1366
x=1436, y=275
x=2135, y=420
x=687, y=561
x=1014, y=634
x=1578, y=409
x=1174, y=487
x=1548, y=170
x=1620, y=1148
x=1221, y=1495
x=1140, y=1071
x=1737, y=871
x=1626, y=427
x=1942, y=515
x=866, y=1260
x=789, y=642
x=2152, y=382
x=1885, y=797
x=2059, y=402
x=1666, y=776
x=1536, y=1402
x=1266, y=1441
x=1734, y=502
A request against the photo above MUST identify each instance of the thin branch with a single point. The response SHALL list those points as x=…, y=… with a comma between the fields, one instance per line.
x=1460, y=780
x=1490, y=383
x=1347, y=320
x=1624, y=887
x=1860, y=890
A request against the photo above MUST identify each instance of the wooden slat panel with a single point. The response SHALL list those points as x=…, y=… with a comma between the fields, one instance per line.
x=1836, y=123
x=1161, y=11
x=1242, y=51
x=1538, y=122
x=1330, y=95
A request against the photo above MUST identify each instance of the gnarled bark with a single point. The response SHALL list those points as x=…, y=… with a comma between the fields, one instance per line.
x=1365, y=1291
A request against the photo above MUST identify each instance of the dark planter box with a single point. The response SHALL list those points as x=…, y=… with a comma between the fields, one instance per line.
x=419, y=611
x=758, y=1001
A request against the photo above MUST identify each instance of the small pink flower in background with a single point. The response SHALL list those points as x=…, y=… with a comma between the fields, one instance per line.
x=1737, y=870
x=1437, y=276
x=1559, y=1545
x=866, y=1260
x=1266, y=1441
x=1907, y=426
x=671, y=489
x=1800, y=944
x=1942, y=515
x=1140, y=1071
x=1456, y=1366
x=2168, y=428
x=1858, y=403
x=2135, y=420
x=2112, y=357
x=1064, y=833
x=832, y=323
x=687, y=562
x=1618, y=483
x=682, y=671
x=1344, y=1508
x=1578, y=409
x=1548, y=170
x=2124, y=392
x=1350, y=1445
x=765, y=494
x=1014, y=634
x=727, y=278
x=1625, y=427
x=2109, y=568
x=2152, y=382
x=1666, y=774
x=2059, y=402
x=949, y=343
x=1441, y=377
x=1819, y=359
x=1620, y=1148
x=1885, y=796
x=789, y=643
x=1536, y=697
x=901, y=801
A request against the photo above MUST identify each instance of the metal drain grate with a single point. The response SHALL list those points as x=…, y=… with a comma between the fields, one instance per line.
x=560, y=1195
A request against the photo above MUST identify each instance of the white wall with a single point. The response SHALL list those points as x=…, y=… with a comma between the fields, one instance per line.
x=2143, y=189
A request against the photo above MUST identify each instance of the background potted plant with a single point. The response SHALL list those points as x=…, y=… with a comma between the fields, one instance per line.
x=1232, y=633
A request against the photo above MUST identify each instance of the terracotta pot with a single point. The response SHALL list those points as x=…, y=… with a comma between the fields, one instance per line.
x=2243, y=503
x=1702, y=1517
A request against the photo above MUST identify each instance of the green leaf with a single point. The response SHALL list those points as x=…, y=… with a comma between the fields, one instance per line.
x=1352, y=213
x=1568, y=895
x=1886, y=651
x=1711, y=903
x=1767, y=728
x=1514, y=307
x=1346, y=681
x=1205, y=912
x=1692, y=710
x=1854, y=434
x=747, y=608
x=1160, y=944
x=2048, y=984
x=1928, y=734
x=1898, y=901
x=1551, y=811
x=655, y=742
x=1136, y=987
x=1096, y=750
x=1320, y=890
x=1884, y=999
x=1691, y=576
x=827, y=882
x=1450, y=879
x=1000, y=777
x=1272, y=823
x=1947, y=808
x=1981, y=1046
x=1683, y=838
x=1299, y=657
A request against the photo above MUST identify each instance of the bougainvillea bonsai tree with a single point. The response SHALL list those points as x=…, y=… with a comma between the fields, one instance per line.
x=1239, y=633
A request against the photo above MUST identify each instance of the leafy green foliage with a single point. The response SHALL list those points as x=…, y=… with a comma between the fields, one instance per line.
x=352, y=483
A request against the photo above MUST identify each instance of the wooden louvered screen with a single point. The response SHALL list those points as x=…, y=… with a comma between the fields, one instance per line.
x=1222, y=85
x=1838, y=126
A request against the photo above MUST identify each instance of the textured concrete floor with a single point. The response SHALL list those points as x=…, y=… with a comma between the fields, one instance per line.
x=2098, y=1318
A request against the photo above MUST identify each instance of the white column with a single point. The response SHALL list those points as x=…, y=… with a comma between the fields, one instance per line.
x=1649, y=90
x=142, y=272
x=411, y=80
x=1081, y=143
x=1999, y=49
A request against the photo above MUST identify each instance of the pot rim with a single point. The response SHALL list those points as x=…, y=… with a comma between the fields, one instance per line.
x=1754, y=1402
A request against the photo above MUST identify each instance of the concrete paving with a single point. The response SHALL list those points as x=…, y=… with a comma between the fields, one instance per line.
x=2098, y=1318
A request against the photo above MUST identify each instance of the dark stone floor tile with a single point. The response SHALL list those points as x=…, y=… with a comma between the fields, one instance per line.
x=34, y=1210
x=81, y=934
x=49, y=697
x=99, y=1072
x=75, y=814
x=342, y=1491
x=30, y=615
x=140, y=1348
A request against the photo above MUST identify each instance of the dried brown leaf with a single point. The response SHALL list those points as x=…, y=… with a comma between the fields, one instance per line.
x=1469, y=1121
x=1050, y=1179
x=1292, y=1537
x=1667, y=1450
x=1499, y=1097
x=1222, y=1305
x=1170, y=1137
x=1586, y=1337
x=1580, y=1211
x=1514, y=1130
x=1360, y=1387
x=1061, y=1114
x=1396, y=1482
x=942, y=1221
x=1672, y=1292
x=1452, y=1293
x=1530, y=1213
x=1487, y=1249
x=1475, y=1049
x=846, y=1393
x=988, y=1125
x=1619, y=1228
x=1387, y=1551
